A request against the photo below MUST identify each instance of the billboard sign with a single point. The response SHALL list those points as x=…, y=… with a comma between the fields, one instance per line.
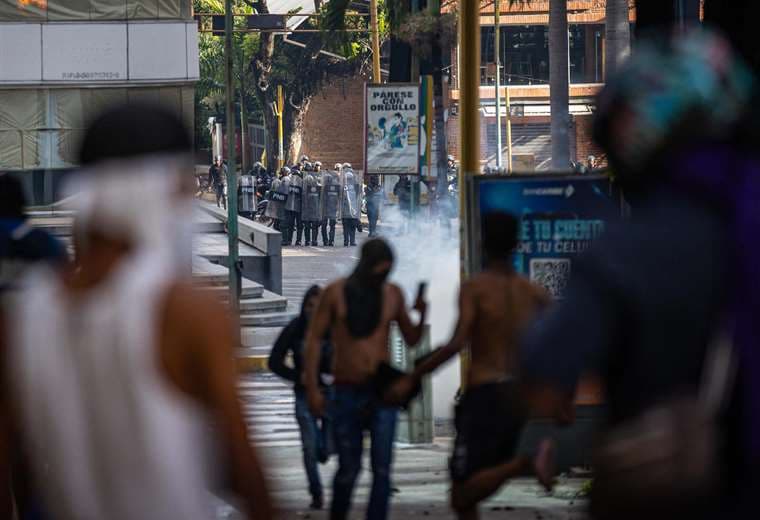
x=560, y=217
x=391, y=136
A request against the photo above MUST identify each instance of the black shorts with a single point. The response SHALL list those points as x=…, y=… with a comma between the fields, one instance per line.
x=489, y=420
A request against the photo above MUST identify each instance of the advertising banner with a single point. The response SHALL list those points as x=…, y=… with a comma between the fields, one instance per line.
x=560, y=217
x=392, y=129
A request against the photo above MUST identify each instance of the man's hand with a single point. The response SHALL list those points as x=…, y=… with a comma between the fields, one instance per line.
x=420, y=305
x=316, y=403
x=399, y=392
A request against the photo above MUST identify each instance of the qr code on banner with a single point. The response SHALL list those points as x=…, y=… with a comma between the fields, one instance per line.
x=551, y=273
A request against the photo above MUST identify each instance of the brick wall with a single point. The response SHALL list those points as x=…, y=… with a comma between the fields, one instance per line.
x=334, y=126
x=584, y=143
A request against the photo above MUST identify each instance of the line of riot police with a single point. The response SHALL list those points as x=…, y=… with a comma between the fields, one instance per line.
x=303, y=200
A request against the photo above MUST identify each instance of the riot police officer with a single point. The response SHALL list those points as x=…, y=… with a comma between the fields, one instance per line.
x=293, y=208
x=331, y=189
x=246, y=195
x=310, y=214
x=349, y=209
x=278, y=195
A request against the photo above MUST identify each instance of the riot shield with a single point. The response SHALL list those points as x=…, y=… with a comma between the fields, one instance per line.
x=349, y=207
x=247, y=195
x=294, y=198
x=330, y=200
x=310, y=198
x=276, y=200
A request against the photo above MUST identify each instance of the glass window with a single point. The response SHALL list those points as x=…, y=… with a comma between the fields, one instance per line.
x=68, y=9
x=108, y=10
x=142, y=9
x=10, y=150
x=524, y=54
x=586, y=46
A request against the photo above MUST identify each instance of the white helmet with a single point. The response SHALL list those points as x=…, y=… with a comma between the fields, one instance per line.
x=347, y=166
x=338, y=166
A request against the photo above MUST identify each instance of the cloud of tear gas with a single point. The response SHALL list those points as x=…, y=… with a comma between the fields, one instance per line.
x=426, y=251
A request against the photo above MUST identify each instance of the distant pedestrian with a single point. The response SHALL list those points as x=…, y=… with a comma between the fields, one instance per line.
x=316, y=435
x=403, y=191
x=21, y=245
x=217, y=181
x=373, y=194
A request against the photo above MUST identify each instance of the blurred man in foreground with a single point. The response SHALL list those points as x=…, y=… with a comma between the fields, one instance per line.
x=118, y=375
x=357, y=312
x=495, y=307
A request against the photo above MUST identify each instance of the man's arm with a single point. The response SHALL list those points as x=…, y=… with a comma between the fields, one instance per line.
x=208, y=370
x=318, y=328
x=458, y=341
x=279, y=351
x=412, y=333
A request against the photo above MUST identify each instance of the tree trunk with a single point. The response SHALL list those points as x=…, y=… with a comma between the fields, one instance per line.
x=293, y=129
x=618, y=35
x=559, y=85
x=440, y=124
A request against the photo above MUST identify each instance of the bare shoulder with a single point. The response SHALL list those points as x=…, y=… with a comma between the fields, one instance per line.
x=192, y=309
x=333, y=290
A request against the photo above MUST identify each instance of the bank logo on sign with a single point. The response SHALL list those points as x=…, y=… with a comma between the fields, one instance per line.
x=569, y=191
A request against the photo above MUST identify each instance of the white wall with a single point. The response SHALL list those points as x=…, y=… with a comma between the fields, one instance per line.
x=94, y=53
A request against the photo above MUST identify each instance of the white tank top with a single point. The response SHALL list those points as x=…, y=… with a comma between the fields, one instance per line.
x=107, y=435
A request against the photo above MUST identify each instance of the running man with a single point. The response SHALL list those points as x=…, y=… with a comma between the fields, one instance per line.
x=495, y=307
x=357, y=312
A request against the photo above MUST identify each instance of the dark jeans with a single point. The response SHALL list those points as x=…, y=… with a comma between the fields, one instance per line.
x=294, y=223
x=221, y=199
x=315, y=442
x=349, y=231
x=354, y=411
x=373, y=213
x=331, y=238
x=311, y=231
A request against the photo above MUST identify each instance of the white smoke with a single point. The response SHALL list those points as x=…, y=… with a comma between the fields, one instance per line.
x=427, y=251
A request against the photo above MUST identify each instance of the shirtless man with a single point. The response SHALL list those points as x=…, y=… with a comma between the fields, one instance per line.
x=495, y=306
x=115, y=370
x=357, y=312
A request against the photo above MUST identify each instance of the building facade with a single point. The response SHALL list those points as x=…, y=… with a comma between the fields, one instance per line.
x=64, y=61
x=524, y=71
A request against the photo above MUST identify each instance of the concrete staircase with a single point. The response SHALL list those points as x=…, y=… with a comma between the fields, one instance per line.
x=258, y=307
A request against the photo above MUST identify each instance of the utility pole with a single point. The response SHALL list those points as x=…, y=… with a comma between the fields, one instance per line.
x=509, y=128
x=280, y=133
x=232, y=217
x=469, y=74
x=244, y=137
x=497, y=59
x=375, y=31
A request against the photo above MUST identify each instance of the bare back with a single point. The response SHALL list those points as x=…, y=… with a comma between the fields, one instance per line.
x=502, y=305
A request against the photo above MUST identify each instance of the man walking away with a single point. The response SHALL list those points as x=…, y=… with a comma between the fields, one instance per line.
x=247, y=195
x=20, y=244
x=315, y=432
x=357, y=313
x=217, y=181
x=403, y=190
x=495, y=307
x=331, y=197
x=374, y=194
x=117, y=370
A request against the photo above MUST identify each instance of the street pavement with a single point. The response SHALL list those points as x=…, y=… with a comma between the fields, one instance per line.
x=420, y=473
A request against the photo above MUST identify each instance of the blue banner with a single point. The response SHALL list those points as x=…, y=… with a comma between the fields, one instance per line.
x=560, y=217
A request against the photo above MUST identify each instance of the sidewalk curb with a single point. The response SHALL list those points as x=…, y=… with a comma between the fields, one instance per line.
x=251, y=364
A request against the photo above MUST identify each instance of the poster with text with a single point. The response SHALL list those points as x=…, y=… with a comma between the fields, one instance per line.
x=392, y=133
x=560, y=217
